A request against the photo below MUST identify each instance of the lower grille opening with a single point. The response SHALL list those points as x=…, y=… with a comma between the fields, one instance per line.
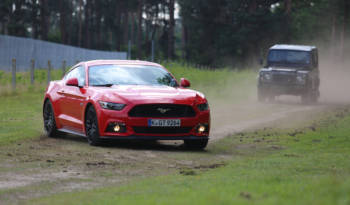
x=162, y=130
x=162, y=110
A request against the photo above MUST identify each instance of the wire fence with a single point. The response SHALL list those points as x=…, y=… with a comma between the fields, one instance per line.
x=25, y=51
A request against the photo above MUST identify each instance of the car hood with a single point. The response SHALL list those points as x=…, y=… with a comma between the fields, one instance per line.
x=139, y=94
x=283, y=69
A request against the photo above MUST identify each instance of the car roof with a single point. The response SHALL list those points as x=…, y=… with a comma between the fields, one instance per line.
x=120, y=62
x=293, y=47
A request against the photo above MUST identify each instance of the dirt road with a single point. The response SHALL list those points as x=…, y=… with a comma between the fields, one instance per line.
x=46, y=166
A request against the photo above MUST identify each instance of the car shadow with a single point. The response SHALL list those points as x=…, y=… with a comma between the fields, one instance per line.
x=155, y=145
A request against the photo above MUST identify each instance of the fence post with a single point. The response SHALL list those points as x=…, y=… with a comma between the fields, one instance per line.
x=64, y=68
x=32, y=67
x=48, y=72
x=14, y=74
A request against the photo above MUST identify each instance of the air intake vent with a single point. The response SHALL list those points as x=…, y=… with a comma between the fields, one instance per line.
x=162, y=110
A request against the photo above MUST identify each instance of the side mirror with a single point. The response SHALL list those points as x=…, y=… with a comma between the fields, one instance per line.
x=185, y=83
x=72, y=82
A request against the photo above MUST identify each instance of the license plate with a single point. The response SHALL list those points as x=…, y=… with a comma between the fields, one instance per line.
x=164, y=123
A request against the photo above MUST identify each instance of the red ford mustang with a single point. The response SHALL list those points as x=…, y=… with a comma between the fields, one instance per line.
x=114, y=99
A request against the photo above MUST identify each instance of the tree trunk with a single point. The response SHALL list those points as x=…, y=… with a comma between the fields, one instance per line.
x=171, y=29
x=98, y=25
x=80, y=23
x=69, y=22
x=44, y=19
x=126, y=27
x=87, y=41
x=132, y=30
x=184, y=41
x=139, y=30
x=118, y=36
x=288, y=11
x=62, y=9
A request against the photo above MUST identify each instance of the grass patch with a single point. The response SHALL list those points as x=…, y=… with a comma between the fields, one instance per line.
x=20, y=116
x=303, y=166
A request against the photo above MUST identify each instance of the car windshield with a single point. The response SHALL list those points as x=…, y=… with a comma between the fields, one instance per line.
x=107, y=75
x=289, y=57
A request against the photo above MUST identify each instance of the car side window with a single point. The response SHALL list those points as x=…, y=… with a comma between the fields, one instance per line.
x=79, y=73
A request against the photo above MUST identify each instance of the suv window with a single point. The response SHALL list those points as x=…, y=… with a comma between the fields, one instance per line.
x=79, y=73
x=289, y=57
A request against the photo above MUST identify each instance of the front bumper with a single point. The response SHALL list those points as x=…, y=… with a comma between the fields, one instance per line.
x=283, y=89
x=107, y=117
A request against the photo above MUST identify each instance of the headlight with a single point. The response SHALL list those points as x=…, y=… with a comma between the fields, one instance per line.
x=301, y=79
x=111, y=106
x=203, y=107
x=266, y=76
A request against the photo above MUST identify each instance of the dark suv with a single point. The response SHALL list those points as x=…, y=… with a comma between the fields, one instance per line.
x=290, y=70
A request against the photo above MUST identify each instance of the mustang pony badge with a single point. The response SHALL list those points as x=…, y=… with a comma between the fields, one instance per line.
x=163, y=110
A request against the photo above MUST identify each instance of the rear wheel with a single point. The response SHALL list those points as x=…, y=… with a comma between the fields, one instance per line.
x=91, y=127
x=49, y=120
x=196, y=144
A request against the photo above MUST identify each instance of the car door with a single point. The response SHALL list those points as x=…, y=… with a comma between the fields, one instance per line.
x=73, y=100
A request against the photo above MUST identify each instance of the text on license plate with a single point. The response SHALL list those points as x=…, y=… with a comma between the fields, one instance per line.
x=164, y=122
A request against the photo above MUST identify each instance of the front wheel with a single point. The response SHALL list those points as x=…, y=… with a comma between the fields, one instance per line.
x=91, y=127
x=49, y=120
x=196, y=144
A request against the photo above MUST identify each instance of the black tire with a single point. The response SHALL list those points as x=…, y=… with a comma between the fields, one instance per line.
x=91, y=127
x=196, y=144
x=49, y=120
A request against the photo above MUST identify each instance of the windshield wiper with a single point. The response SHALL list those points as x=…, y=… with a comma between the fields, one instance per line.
x=104, y=85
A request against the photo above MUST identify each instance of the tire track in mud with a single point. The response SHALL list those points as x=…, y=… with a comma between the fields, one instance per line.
x=69, y=163
x=221, y=131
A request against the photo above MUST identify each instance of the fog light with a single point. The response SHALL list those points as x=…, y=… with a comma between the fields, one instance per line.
x=116, y=128
x=201, y=129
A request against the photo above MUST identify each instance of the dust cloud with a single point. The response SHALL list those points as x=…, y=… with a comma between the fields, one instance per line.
x=335, y=82
x=236, y=113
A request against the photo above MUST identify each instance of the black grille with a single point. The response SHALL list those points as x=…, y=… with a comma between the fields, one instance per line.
x=284, y=78
x=162, y=130
x=162, y=110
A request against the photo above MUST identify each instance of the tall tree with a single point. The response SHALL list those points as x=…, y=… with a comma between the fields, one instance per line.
x=288, y=11
x=171, y=29
x=139, y=29
x=80, y=22
x=44, y=19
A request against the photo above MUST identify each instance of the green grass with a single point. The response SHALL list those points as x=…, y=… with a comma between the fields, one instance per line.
x=309, y=167
x=20, y=116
